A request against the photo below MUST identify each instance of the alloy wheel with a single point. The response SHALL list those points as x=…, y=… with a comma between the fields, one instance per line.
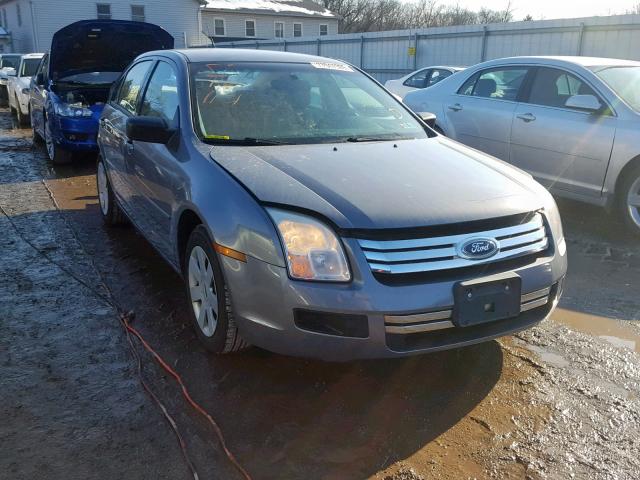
x=202, y=290
x=633, y=202
x=103, y=189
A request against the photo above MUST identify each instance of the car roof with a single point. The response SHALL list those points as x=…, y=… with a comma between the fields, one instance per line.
x=196, y=55
x=565, y=60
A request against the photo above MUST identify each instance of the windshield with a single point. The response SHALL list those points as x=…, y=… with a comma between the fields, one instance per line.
x=295, y=103
x=9, y=62
x=92, y=78
x=625, y=81
x=29, y=67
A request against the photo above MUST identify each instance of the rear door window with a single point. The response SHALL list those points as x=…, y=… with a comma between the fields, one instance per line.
x=437, y=75
x=131, y=87
x=502, y=83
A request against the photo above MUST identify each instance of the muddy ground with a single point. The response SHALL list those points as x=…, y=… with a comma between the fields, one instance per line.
x=559, y=401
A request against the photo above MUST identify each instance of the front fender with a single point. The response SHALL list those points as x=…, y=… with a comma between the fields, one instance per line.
x=233, y=217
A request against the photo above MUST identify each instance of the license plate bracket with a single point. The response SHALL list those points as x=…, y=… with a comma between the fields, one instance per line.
x=486, y=299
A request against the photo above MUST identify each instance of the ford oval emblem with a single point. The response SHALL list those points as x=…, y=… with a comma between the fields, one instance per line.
x=478, y=248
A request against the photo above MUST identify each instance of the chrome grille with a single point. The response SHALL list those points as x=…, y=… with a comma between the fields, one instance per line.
x=440, y=320
x=442, y=253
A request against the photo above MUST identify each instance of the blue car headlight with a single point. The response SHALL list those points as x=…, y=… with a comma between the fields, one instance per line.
x=66, y=110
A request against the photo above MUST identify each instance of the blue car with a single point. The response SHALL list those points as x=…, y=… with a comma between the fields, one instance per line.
x=73, y=81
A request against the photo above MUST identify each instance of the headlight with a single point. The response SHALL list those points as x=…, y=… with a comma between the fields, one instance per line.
x=66, y=110
x=313, y=250
x=555, y=222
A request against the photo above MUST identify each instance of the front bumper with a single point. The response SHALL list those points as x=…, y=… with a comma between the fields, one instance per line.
x=75, y=134
x=264, y=300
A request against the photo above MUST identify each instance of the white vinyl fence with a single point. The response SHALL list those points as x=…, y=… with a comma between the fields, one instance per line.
x=392, y=54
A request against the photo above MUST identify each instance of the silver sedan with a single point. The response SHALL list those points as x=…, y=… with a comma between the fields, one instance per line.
x=572, y=122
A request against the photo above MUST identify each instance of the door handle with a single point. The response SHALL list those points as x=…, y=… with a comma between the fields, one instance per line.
x=455, y=107
x=527, y=117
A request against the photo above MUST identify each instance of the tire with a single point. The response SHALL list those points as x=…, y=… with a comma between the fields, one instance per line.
x=628, y=199
x=111, y=212
x=57, y=155
x=23, y=120
x=37, y=139
x=204, y=283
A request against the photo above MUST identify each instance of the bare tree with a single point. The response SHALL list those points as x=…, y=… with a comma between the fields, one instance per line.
x=377, y=15
x=635, y=10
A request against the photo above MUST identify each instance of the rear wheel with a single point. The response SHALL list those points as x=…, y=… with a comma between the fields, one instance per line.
x=57, y=155
x=111, y=212
x=209, y=296
x=629, y=200
x=35, y=135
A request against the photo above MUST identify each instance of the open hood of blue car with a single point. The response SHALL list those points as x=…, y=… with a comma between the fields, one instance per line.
x=103, y=46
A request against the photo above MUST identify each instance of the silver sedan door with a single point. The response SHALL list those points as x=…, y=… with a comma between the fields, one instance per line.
x=481, y=112
x=566, y=149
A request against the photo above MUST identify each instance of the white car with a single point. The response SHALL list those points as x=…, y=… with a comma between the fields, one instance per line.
x=423, y=78
x=8, y=62
x=18, y=85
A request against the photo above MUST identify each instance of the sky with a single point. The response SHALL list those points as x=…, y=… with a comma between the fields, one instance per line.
x=550, y=9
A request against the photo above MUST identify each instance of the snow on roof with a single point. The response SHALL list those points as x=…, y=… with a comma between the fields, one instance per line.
x=291, y=7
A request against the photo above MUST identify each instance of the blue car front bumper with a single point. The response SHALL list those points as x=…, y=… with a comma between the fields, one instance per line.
x=76, y=134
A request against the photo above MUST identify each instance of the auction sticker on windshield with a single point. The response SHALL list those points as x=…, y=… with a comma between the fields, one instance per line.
x=332, y=66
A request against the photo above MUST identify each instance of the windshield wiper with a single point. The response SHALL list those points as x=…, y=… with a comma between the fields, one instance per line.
x=370, y=139
x=247, y=141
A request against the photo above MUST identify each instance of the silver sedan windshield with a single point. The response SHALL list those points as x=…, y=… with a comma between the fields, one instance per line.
x=625, y=81
x=294, y=103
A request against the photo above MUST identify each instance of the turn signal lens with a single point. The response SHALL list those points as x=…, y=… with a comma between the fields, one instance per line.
x=312, y=250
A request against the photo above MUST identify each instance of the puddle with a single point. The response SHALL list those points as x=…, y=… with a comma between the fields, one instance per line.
x=610, y=330
x=548, y=357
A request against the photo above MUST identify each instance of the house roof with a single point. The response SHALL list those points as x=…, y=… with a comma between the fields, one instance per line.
x=305, y=8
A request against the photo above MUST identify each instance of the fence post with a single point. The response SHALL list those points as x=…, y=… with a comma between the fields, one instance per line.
x=485, y=34
x=415, y=52
x=580, y=38
x=362, y=52
x=257, y=45
x=318, y=49
x=284, y=43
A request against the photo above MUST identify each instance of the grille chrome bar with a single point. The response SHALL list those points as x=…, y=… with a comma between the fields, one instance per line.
x=441, y=253
x=440, y=320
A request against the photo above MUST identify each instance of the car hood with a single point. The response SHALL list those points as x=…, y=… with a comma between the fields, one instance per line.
x=103, y=46
x=375, y=185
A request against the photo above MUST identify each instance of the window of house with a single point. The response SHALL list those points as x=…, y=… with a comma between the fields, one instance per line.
x=219, y=27
x=324, y=29
x=131, y=87
x=161, y=97
x=250, y=28
x=4, y=18
x=137, y=13
x=19, y=14
x=297, y=29
x=279, y=30
x=104, y=11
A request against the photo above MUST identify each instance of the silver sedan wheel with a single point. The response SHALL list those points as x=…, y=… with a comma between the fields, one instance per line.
x=202, y=289
x=51, y=149
x=633, y=202
x=103, y=189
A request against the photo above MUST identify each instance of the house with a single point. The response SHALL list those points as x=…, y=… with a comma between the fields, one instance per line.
x=32, y=23
x=231, y=20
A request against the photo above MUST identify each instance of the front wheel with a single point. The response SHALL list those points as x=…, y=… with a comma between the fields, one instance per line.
x=23, y=119
x=629, y=200
x=57, y=155
x=209, y=296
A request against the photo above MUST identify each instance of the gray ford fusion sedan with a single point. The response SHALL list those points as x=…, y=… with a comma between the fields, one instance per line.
x=310, y=213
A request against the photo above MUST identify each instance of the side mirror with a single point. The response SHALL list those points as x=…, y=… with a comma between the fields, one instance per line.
x=39, y=79
x=583, y=102
x=11, y=72
x=428, y=118
x=149, y=129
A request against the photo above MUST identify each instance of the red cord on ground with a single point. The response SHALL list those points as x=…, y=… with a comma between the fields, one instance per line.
x=187, y=396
